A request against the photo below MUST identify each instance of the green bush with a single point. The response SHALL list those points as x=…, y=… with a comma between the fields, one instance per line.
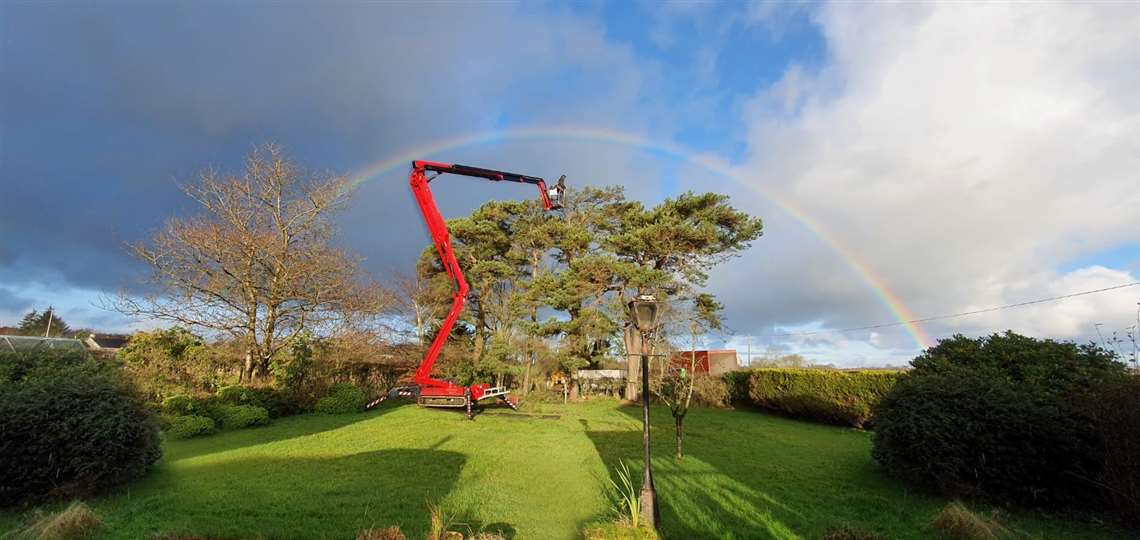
x=1115, y=410
x=240, y=416
x=825, y=395
x=184, y=427
x=344, y=398
x=177, y=405
x=737, y=382
x=70, y=426
x=997, y=418
x=233, y=395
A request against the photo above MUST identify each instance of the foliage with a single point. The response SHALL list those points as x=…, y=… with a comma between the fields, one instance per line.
x=344, y=398
x=996, y=417
x=259, y=263
x=185, y=427
x=35, y=323
x=737, y=383
x=75, y=522
x=628, y=497
x=241, y=416
x=278, y=403
x=709, y=391
x=69, y=426
x=177, y=405
x=832, y=396
x=172, y=361
x=957, y=522
x=1115, y=413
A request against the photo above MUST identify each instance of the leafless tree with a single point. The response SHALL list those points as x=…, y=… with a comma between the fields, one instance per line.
x=258, y=262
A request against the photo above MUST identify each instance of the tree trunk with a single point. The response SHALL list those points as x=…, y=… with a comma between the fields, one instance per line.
x=680, y=435
x=247, y=370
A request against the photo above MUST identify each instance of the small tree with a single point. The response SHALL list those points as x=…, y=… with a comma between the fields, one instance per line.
x=258, y=263
x=45, y=323
x=675, y=382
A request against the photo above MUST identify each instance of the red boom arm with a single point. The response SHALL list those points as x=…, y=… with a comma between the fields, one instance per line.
x=442, y=240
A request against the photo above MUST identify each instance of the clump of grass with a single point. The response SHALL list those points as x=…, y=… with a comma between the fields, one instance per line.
x=619, y=531
x=387, y=533
x=850, y=533
x=957, y=522
x=628, y=497
x=75, y=522
x=440, y=524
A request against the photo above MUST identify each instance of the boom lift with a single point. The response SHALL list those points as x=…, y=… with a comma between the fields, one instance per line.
x=427, y=391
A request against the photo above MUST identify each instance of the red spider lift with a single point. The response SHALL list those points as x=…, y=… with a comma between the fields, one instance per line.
x=427, y=391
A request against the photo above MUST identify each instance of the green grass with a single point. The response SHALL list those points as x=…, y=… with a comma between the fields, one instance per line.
x=746, y=475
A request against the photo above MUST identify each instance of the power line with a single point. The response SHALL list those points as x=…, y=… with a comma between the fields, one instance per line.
x=956, y=315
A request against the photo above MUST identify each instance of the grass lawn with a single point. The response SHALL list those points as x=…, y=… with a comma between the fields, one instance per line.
x=746, y=475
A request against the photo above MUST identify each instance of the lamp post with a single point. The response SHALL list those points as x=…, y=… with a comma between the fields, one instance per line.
x=644, y=311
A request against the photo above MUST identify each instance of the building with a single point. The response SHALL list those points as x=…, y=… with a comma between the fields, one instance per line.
x=107, y=344
x=713, y=362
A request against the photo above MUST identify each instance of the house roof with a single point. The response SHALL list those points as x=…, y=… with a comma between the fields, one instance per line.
x=107, y=341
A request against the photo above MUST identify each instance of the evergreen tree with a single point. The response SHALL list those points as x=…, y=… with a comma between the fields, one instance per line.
x=36, y=323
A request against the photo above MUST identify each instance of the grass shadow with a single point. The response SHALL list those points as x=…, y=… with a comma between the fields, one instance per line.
x=292, y=497
x=695, y=499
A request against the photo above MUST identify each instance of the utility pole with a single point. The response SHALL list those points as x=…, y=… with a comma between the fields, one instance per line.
x=51, y=310
x=749, y=361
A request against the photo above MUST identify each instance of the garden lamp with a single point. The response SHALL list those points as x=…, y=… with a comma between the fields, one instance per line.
x=643, y=309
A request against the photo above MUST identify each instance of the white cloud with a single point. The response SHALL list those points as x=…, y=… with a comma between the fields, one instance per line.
x=965, y=152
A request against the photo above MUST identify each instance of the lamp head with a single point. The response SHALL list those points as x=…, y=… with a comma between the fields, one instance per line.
x=644, y=311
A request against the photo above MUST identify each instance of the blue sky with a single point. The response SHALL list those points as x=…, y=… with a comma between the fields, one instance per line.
x=961, y=156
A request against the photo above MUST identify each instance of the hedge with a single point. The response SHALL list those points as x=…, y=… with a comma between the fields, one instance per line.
x=344, y=398
x=184, y=427
x=70, y=426
x=824, y=395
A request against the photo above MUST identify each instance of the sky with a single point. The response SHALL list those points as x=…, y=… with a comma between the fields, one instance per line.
x=908, y=160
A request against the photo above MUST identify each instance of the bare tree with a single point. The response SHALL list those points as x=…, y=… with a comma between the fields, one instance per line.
x=258, y=263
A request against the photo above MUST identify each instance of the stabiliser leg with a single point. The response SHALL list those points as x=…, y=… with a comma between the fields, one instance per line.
x=467, y=395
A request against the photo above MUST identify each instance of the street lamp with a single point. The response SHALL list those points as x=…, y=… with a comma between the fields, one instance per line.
x=644, y=312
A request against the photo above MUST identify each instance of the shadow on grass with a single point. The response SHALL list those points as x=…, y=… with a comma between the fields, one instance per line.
x=280, y=429
x=696, y=500
x=296, y=497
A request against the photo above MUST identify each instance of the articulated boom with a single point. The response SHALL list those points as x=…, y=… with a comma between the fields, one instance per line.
x=435, y=392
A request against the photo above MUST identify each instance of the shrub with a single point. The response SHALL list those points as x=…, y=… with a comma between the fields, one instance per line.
x=233, y=395
x=278, y=402
x=177, y=405
x=70, y=426
x=1115, y=410
x=185, y=427
x=344, y=398
x=710, y=391
x=957, y=522
x=996, y=418
x=737, y=382
x=838, y=397
x=240, y=416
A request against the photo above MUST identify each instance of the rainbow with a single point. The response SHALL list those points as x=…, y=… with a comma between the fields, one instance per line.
x=885, y=295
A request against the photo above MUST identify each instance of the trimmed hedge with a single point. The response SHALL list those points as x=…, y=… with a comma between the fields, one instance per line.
x=184, y=427
x=178, y=405
x=824, y=395
x=70, y=426
x=277, y=402
x=240, y=416
x=344, y=398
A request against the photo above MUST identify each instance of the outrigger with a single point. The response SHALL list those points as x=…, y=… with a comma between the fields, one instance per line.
x=427, y=391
